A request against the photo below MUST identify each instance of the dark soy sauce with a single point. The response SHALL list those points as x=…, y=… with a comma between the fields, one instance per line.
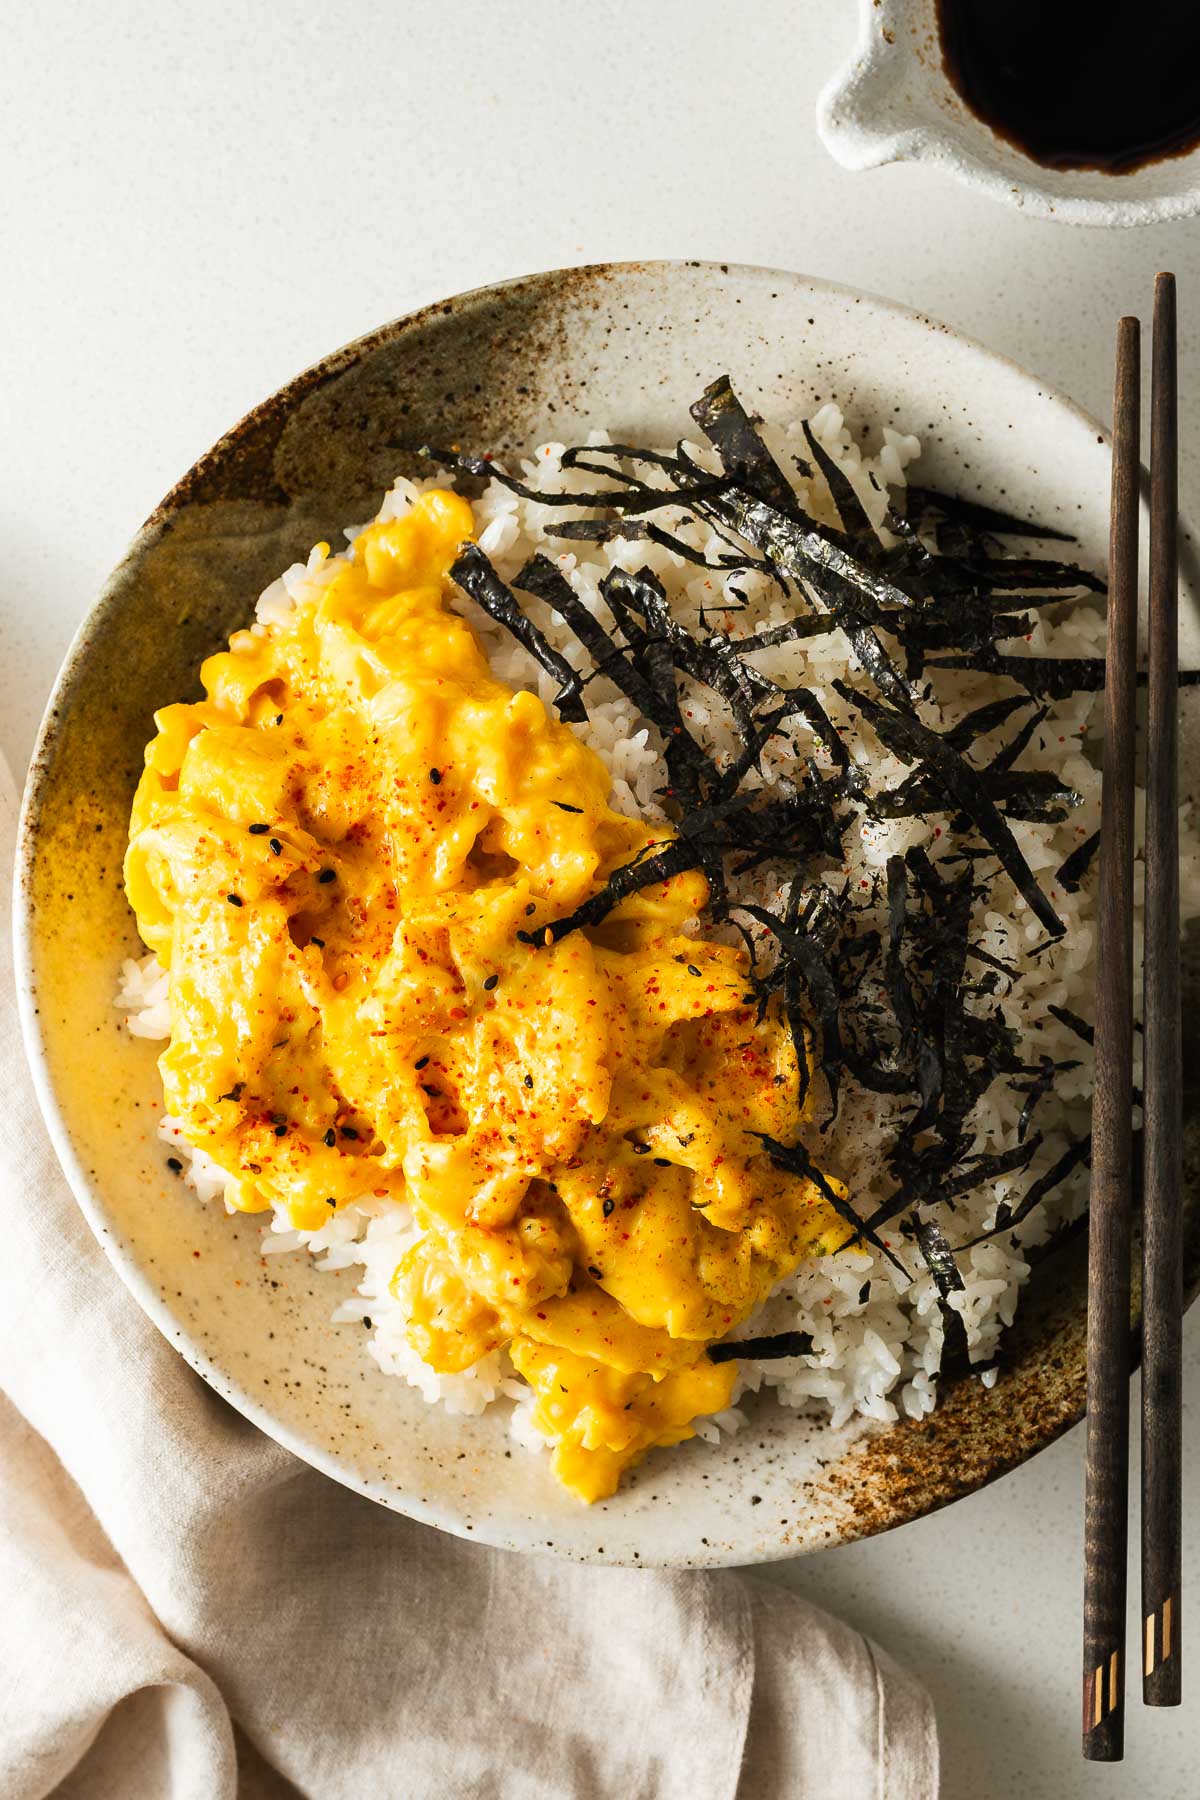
x=1079, y=84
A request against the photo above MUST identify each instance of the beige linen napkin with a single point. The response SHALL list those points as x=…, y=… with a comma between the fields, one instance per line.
x=187, y=1611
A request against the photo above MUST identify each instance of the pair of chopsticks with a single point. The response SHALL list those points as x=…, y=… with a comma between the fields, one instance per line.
x=1108, y=1332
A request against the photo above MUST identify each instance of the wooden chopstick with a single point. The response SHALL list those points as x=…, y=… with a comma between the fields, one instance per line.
x=1162, y=1243
x=1106, y=1509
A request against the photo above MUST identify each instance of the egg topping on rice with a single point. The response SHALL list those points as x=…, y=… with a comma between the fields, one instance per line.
x=347, y=856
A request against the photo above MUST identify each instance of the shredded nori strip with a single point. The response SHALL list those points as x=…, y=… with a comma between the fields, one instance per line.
x=1074, y=1023
x=983, y=720
x=897, y=980
x=477, y=578
x=1036, y=1090
x=635, y=499
x=939, y=1260
x=1008, y=1218
x=989, y=1168
x=924, y=500
x=745, y=458
x=681, y=854
x=796, y=1160
x=1072, y=871
x=851, y=510
x=797, y=548
x=540, y=578
x=763, y=1349
x=1036, y=794
x=1053, y=676
x=907, y=737
x=640, y=530
x=809, y=964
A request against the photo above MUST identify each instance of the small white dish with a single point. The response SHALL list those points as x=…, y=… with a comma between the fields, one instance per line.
x=894, y=102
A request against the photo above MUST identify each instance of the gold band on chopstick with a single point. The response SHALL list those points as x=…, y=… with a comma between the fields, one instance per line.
x=1165, y=1636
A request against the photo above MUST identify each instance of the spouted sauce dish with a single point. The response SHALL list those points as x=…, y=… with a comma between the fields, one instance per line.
x=1077, y=85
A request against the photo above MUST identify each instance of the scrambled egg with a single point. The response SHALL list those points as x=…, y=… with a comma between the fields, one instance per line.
x=334, y=853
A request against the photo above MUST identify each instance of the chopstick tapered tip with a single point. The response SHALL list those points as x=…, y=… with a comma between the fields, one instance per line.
x=1162, y=1243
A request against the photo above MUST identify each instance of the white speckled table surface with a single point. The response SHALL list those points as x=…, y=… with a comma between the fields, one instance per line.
x=200, y=201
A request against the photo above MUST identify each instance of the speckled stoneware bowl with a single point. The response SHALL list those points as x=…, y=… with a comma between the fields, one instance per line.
x=628, y=347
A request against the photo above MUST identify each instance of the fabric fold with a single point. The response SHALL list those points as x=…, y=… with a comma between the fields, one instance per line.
x=191, y=1612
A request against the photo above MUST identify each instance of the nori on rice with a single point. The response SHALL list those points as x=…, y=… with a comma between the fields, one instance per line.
x=892, y=1009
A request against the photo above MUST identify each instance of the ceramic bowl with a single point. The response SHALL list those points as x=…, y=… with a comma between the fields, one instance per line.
x=893, y=102
x=626, y=346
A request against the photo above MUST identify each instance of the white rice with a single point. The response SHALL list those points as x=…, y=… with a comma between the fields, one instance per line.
x=877, y=1337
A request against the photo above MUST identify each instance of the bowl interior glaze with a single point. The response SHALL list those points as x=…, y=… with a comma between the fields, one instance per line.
x=628, y=347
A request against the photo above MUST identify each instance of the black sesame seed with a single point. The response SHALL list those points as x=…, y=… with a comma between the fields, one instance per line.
x=435, y=775
x=235, y=899
x=174, y=1164
x=327, y=875
x=367, y=1321
x=420, y=1062
x=593, y=1270
x=279, y=718
x=662, y=1162
x=490, y=983
x=641, y=1149
x=276, y=846
x=281, y=1131
x=260, y=830
x=692, y=969
x=331, y=1137
x=608, y=1208
x=529, y=1081
x=319, y=942
x=530, y=909
x=348, y=1131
